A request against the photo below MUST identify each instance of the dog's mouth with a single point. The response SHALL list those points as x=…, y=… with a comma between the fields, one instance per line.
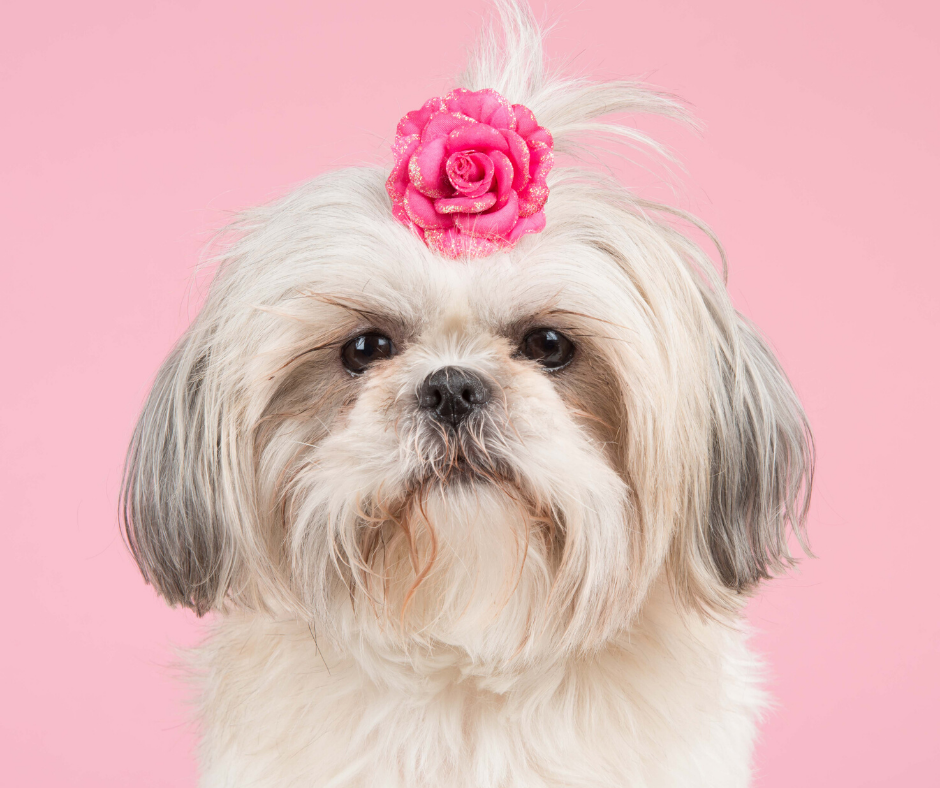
x=471, y=469
x=462, y=471
x=464, y=456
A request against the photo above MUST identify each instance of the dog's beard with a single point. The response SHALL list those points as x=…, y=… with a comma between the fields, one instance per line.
x=479, y=540
x=463, y=563
x=462, y=551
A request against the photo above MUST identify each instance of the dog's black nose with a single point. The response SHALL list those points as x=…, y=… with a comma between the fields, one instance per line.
x=451, y=394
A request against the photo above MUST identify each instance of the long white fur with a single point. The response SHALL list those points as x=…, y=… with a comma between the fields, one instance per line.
x=575, y=621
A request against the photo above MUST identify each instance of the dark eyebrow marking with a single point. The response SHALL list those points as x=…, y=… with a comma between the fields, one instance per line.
x=357, y=307
x=334, y=341
x=553, y=311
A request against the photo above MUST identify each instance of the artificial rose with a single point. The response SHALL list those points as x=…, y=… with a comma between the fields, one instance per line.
x=469, y=174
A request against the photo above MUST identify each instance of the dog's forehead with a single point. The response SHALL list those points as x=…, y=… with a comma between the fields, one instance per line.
x=492, y=293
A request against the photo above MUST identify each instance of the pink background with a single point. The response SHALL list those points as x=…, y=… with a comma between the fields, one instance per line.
x=131, y=130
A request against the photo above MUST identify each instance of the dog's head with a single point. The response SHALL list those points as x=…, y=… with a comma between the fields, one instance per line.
x=498, y=455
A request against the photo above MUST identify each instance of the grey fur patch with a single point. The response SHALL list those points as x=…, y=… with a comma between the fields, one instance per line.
x=169, y=493
x=762, y=460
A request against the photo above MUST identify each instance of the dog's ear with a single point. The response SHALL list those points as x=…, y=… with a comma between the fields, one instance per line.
x=761, y=465
x=759, y=474
x=171, y=507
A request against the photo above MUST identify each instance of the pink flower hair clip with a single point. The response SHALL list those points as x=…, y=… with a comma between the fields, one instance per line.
x=469, y=174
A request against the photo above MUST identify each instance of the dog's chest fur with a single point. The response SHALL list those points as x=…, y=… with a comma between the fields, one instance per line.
x=675, y=703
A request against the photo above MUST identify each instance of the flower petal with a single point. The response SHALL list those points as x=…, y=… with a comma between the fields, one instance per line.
x=444, y=242
x=496, y=224
x=486, y=106
x=539, y=138
x=415, y=121
x=426, y=169
x=443, y=123
x=465, y=204
x=476, y=136
x=504, y=177
x=527, y=224
x=403, y=148
x=399, y=212
x=454, y=244
x=483, y=162
x=532, y=198
x=519, y=156
x=525, y=120
x=421, y=211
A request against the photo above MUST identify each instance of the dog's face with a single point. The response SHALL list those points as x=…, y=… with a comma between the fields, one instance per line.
x=499, y=455
x=449, y=452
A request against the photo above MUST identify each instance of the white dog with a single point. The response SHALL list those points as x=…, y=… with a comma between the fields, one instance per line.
x=479, y=499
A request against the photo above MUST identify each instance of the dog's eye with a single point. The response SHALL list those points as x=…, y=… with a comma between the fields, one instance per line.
x=552, y=349
x=366, y=349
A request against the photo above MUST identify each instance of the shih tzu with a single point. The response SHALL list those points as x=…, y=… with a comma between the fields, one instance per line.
x=476, y=464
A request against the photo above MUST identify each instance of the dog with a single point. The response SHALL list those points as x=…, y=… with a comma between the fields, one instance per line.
x=476, y=465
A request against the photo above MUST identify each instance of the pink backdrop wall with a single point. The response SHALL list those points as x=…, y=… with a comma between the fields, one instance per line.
x=131, y=130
